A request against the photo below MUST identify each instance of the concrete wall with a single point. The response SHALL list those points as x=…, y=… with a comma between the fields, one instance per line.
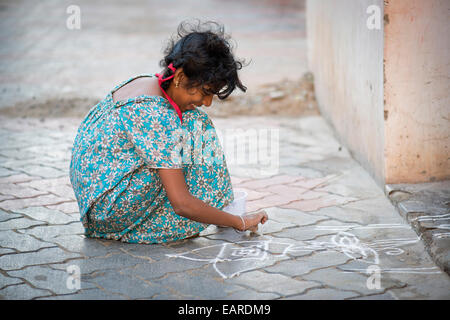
x=386, y=91
x=417, y=90
x=346, y=58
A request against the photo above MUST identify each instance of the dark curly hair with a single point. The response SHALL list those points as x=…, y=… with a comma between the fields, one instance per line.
x=204, y=52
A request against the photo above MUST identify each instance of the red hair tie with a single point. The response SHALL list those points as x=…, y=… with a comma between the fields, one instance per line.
x=161, y=80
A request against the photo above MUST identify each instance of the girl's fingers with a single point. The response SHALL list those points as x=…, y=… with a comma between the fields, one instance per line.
x=264, y=217
x=252, y=220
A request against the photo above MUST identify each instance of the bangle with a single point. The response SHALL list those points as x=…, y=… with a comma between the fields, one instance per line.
x=243, y=222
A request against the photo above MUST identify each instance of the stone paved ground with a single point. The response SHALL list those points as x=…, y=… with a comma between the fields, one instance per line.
x=426, y=206
x=43, y=62
x=332, y=232
x=331, y=228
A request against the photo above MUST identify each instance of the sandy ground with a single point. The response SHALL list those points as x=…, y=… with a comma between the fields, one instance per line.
x=47, y=69
x=285, y=98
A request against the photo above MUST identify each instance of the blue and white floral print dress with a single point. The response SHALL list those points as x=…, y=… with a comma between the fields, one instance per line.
x=116, y=152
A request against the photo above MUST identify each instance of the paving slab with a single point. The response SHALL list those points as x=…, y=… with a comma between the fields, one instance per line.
x=19, y=224
x=90, y=267
x=382, y=296
x=6, y=280
x=88, y=294
x=426, y=206
x=307, y=264
x=274, y=283
x=5, y=216
x=350, y=235
x=358, y=282
x=324, y=294
x=44, y=277
x=43, y=256
x=196, y=285
x=79, y=244
x=294, y=217
x=21, y=242
x=42, y=200
x=46, y=215
x=22, y=292
x=48, y=232
x=124, y=284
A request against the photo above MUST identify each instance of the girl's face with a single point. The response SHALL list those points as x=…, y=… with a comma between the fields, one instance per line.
x=193, y=98
x=187, y=99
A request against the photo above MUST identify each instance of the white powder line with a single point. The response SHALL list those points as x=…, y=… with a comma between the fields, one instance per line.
x=429, y=270
x=356, y=227
x=441, y=235
x=259, y=250
x=399, y=240
x=432, y=218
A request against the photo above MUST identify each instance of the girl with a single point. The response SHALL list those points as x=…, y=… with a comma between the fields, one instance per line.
x=134, y=174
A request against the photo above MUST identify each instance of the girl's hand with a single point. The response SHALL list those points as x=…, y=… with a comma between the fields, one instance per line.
x=252, y=220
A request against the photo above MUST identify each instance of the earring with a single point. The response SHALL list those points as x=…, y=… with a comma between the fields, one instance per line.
x=176, y=84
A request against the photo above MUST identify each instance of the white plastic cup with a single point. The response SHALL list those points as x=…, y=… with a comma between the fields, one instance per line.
x=238, y=206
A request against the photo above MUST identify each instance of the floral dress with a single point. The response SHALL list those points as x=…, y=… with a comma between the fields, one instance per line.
x=116, y=152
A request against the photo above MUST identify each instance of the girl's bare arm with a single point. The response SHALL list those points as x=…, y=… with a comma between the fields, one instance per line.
x=186, y=205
